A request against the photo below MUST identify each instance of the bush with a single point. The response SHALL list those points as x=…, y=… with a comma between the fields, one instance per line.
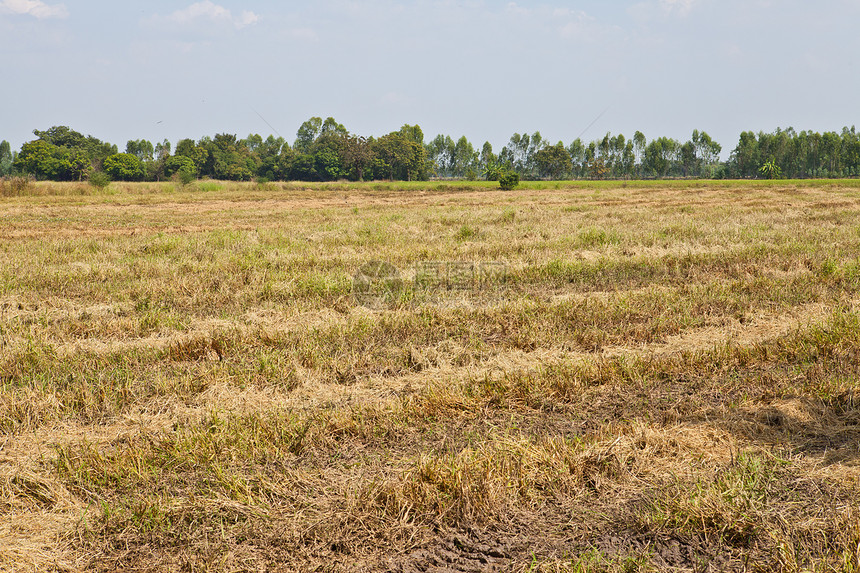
x=509, y=180
x=99, y=179
x=184, y=177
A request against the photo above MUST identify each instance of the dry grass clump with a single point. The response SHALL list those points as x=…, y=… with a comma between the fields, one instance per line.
x=657, y=376
x=15, y=186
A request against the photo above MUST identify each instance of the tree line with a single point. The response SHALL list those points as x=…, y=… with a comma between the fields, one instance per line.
x=324, y=150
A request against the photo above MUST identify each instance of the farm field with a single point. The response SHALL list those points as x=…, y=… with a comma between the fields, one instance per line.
x=657, y=376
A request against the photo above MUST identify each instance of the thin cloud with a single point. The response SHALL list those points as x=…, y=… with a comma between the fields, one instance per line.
x=34, y=8
x=214, y=12
x=578, y=24
x=247, y=19
x=682, y=7
x=514, y=8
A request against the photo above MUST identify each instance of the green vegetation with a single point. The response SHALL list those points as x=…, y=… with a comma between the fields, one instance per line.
x=99, y=179
x=124, y=167
x=324, y=150
x=509, y=180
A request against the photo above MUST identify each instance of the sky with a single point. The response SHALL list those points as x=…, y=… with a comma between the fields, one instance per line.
x=159, y=69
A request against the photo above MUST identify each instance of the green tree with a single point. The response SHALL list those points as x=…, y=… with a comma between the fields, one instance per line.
x=357, y=156
x=307, y=134
x=72, y=141
x=578, y=161
x=689, y=161
x=5, y=158
x=440, y=153
x=267, y=153
x=639, y=145
x=43, y=160
x=707, y=152
x=162, y=150
x=196, y=153
x=487, y=156
x=140, y=148
x=124, y=167
x=597, y=168
x=328, y=152
x=745, y=157
x=659, y=155
x=399, y=157
x=518, y=150
x=465, y=158
x=176, y=163
x=413, y=133
x=80, y=165
x=628, y=159
x=831, y=153
x=303, y=168
x=553, y=162
x=228, y=158
x=851, y=151
x=604, y=150
x=331, y=127
x=285, y=162
x=253, y=142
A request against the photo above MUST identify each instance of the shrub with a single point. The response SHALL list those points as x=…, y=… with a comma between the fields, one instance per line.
x=509, y=180
x=770, y=170
x=185, y=177
x=493, y=171
x=99, y=179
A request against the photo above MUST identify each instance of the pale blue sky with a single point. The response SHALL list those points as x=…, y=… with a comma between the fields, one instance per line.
x=161, y=69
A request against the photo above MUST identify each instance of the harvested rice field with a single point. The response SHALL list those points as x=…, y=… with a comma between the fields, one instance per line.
x=641, y=376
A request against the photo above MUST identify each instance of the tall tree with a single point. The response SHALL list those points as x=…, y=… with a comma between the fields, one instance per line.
x=268, y=153
x=746, y=156
x=487, y=155
x=357, y=156
x=688, y=160
x=465, y=160
x=228, y=158
x=659, y=156
x=198, y=154
x=639, y=144
x=578, y=163
x=140, y=148
x=307, y=134
x=440, y=153
x=162, y=150
x=332, y=127
x=5, y=158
